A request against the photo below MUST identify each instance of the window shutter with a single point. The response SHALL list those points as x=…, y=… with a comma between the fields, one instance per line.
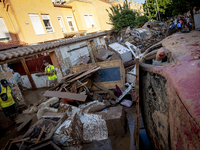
x=37, y=25
x=4, y=34
x=61, y=23
x=91, y=20
x=87, y=21
x=45, y=17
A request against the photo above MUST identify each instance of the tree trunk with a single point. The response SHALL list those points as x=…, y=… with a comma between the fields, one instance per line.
x=192, y=17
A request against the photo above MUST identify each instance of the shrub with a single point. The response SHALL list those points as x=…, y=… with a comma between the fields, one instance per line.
x=141, y=20
x=122, y=16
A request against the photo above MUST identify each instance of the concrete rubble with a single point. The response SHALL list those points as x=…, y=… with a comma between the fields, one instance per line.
x=70, y=133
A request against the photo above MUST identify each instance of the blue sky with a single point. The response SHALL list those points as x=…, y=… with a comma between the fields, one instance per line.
x=139, y=1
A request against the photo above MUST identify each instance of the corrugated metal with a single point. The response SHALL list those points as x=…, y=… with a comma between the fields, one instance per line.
x=76, y=55
x=74, y=52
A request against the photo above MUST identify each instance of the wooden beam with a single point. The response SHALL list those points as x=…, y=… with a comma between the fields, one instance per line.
x=73, y=96
x=54, y=59
x=136, y=130
x=28, y=73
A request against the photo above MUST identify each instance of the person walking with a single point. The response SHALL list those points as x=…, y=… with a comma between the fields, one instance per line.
x=7, y=102
x=51, y=72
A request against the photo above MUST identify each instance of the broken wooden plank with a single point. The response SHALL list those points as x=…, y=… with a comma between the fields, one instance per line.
x=17, y=141
x=51, y=123
x=52, y=115
x=21, y=118
x=112, y=95
x=73, y=75
x=40, y=74
x=28, y=119
x=82, y=84
x=73, y=96
x=38, y=139
x=85, y=73
x=100, y=92
x=136, y=130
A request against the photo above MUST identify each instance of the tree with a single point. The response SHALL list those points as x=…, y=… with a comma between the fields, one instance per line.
x=170, y=8
x=164, y=9
x=141, y=20
x=122, y=16
x=182, y=6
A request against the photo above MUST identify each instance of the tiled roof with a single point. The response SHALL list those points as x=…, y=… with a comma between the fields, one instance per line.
x=27, y=50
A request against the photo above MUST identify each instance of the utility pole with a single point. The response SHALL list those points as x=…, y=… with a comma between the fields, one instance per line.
x=158, y=10
x=148, y=10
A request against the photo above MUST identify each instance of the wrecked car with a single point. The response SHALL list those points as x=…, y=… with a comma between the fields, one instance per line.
x=169, y=92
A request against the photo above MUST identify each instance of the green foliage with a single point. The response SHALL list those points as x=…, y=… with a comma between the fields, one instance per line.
x=163, y=8
x=141, y=20
x=170, y=8
x=122, y=16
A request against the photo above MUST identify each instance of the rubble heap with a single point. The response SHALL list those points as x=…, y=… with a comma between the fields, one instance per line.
x=151, y=33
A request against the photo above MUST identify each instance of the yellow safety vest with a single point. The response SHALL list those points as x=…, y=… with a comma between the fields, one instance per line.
x=9, y=101
x=48, y=69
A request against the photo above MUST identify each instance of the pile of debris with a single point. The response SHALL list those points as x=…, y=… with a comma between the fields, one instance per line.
x=82, y=108
x=151, y=33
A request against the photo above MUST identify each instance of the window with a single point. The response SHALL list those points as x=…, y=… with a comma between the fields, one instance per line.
x=61, y=24
x=4, y=34
x=47, y=23
x=89, y=21
x=37, y=25
x=70, y=22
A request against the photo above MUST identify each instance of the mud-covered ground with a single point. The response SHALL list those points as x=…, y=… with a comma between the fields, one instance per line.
x=125, y=142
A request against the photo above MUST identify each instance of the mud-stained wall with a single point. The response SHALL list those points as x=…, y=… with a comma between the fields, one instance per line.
x=154, y=107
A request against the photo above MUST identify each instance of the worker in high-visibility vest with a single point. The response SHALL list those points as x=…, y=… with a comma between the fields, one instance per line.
x=51, y=72
x=7, y=102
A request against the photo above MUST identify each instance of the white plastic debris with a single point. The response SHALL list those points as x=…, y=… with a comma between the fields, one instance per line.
x=41, y=111
x=124, y=52
x=127, y=103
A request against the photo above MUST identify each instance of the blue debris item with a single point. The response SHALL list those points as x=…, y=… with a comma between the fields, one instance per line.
x=56, y=105
x=120, y=41
x=105, y=75
x=142, y=46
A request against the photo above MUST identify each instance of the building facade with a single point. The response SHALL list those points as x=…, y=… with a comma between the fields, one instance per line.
x=35, y=21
